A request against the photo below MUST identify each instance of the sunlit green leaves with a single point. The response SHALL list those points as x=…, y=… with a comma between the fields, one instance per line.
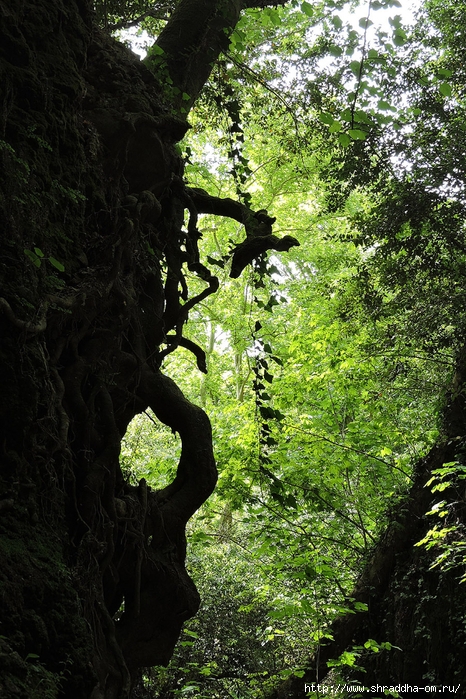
x=320, y=391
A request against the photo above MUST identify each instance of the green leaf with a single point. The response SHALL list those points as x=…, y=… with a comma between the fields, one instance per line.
x=372, y=645
x=193, y=634
x=361, y=116
x=399, y=37
x=445, y=89
x=355, y=67
x=335, y=50
x=157, y=50
x=381, y=104
x=33, y=257
x=335, y=127
x=365, y=22
x=444, y=73
x=38, y=252
x=347, y=115
x=344, y=139
x=275, y=17
x=395, y=21
x=307, y=8
x=326, y=118
x=58, y=265
x=337, y=22
x=357, y=134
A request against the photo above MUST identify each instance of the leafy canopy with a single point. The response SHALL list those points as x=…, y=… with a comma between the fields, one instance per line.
x=327, y=369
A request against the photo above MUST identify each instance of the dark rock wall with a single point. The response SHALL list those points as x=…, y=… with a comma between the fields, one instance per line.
x=92, y=577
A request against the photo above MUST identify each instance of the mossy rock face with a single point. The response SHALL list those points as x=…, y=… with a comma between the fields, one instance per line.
x=86, y=160
x=44, y=641
x=45, y=644
x=422, y=615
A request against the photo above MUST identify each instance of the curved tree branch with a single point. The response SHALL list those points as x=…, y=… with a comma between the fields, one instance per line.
x=258, y=225
x=197, y=474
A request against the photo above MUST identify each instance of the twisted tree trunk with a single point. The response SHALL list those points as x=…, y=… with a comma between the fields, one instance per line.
x=92, y=204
